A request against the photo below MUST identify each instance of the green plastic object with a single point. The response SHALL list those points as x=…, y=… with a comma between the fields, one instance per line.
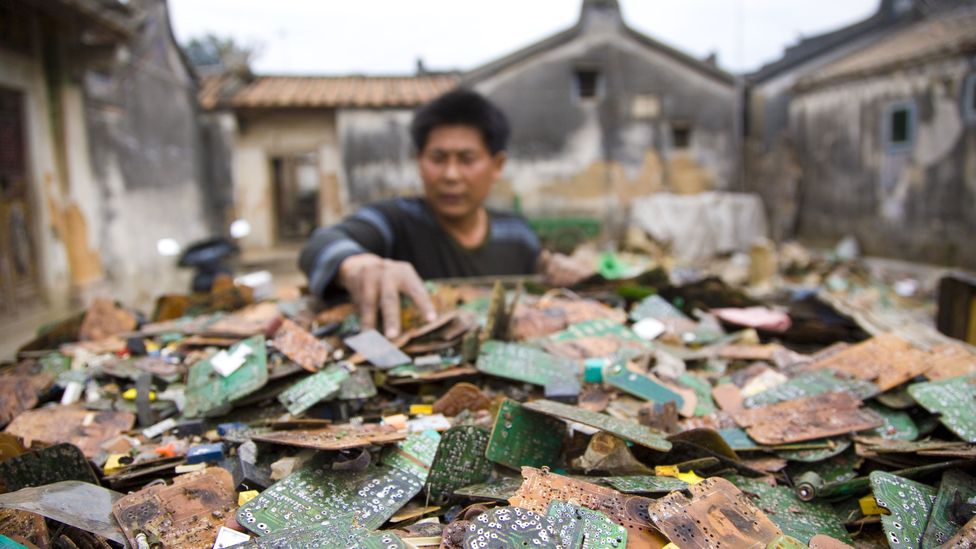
x=593, y=370
x=207, y=390
x=522, y=437
x=910, y=504
x=627, y=430
x=955, y=399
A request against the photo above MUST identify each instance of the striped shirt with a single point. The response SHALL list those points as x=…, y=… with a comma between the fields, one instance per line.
x=405, y=229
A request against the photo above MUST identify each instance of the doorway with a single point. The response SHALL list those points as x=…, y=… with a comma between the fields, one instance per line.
x=18, y=264
x=295, y=182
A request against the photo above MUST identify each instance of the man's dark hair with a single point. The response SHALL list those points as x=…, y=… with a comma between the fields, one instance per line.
x=462, y=108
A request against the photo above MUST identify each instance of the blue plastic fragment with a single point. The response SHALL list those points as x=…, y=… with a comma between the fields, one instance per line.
x=202, y=453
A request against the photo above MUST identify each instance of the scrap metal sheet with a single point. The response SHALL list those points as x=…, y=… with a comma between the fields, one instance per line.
x=627, y=430
x=300, y=346
x=184, y=514
x=85, y=429
x=885, y=359
x=809, y=418
x=79, y=504
x=334, y=437
x=717, y=514
x=541, y=487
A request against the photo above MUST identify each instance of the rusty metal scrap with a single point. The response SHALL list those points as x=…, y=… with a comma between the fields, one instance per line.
x=104, y=319
x=717, y=515
x=300, y=346
x=17, y=394
x=336, y=437
x=810, y=418
x=461, y=396
x=260, y=318
x=950, y=360
x=184, y=514
x=539, y=487
x=886, y=359
x=86, y=429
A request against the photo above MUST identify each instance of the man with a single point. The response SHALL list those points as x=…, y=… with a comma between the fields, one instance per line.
x=386, y=249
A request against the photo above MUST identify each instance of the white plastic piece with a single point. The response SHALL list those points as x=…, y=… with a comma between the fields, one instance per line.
x=649, y=329
x=227, y=363
x=228, y=538
x=157, y=429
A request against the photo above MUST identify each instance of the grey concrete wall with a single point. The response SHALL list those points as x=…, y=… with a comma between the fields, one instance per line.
x=378, y=159
x=595, y=155
x=918, y=203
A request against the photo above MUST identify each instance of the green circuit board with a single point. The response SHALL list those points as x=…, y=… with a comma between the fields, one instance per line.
x=799, y=519
x=909, y=503
x=522, y=437
x=644, y=484
x=954, y=399
x=956, y=487
x=640, y=386
x=332, y=532
x=810, y=384
x=207, y=390
x=313, y=389
x=510, y=527
x=833, y=447
x=524, y=363
x=460, y=461
x=704, y=406
x=415, y=454
x=597, y=327
x=627, y=430
x=358, y=385
x=585, y=528
x=898, y=425
x=498, y=490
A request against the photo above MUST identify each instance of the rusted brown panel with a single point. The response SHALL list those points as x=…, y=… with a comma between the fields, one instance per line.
x=717, y=515
x=548, y=315
x=539, y=487
x=24, y=526
x=965, y=538
x=746, y=351
x=300, y=346
x=821, y=541
x=886, y=359
x=16, y=395
x=809, y=418
x=84, y=428
x=450, y=373
x=261, y=318
x=728, y=397
x=104, y=319
x=187, y=513
x=335, y=437
x=950, y=360
x=461, y=396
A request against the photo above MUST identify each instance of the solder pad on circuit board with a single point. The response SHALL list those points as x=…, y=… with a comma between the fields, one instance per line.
x=510, y=527
x=313, y=389
x=460, y=461
x=579, y=527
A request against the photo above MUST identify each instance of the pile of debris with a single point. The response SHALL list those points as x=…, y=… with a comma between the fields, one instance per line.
x=641, y=412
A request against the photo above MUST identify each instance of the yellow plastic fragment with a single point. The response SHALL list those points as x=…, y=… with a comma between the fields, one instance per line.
x=672, y=471
x=130, y=394
x=113, y=463
x=421, y=409
x=246, y=496
x=671, y=546
x=870, y=507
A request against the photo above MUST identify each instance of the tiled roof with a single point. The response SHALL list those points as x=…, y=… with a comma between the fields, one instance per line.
x=326, y=91
x=950, y=33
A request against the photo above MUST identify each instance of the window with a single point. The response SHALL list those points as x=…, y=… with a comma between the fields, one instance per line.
x=969, y=98
x=680, y=135
x=899, y=130
x=587, y=83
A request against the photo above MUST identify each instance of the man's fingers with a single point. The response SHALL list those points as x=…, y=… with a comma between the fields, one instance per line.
x=368, y=294
x=415, y=289
x=390, y=303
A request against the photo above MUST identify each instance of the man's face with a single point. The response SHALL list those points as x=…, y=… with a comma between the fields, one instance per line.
x=458, y=170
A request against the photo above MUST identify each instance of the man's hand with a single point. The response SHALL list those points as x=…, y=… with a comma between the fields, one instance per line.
x=562, y=270
x=374, y=282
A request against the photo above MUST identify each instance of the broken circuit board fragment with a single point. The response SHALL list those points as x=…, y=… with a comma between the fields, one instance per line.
x=887, y=360
x=627, y=430
x=640, y=385
x=86, y=429
x=813, y=383
x=717, y=514
x=595, y=338
x=377, y=349
x=332, y=532
x=334, y=437
x=317, y=492
x=313, y=389
x=909, y=505
x=300, y=346
x=540, y=487
x=208, y=391
x=522, y=437
x=952, y=509
x=52, y=464
x=460, y=461
x=583, y=528
x=954, y=399
x=807, y=418
x=186, y=513
x=528, y=364
x=510, y=527
x=796, y=518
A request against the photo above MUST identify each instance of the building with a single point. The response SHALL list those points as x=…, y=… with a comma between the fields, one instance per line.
x=102, y=153
x=601, y=114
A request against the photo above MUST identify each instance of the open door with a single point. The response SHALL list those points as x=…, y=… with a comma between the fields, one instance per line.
x=296, y=182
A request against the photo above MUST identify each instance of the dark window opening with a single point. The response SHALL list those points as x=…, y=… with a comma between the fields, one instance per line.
x=587, y=82
x=899, y=127
x=680, y=135
x=969, y=98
